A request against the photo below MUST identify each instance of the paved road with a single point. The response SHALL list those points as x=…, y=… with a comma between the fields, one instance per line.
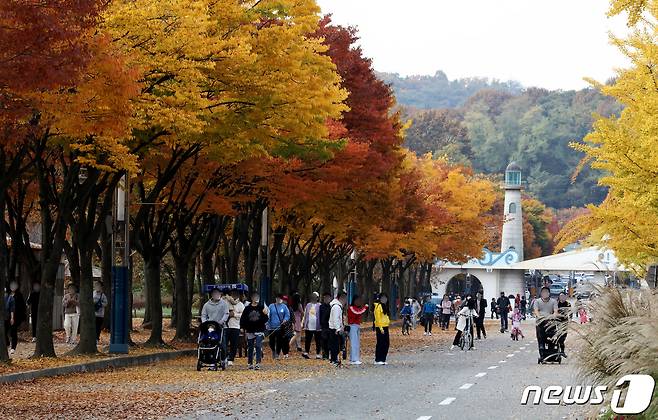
x=432, y=381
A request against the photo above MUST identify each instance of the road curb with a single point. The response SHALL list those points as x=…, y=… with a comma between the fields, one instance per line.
x=96, y=365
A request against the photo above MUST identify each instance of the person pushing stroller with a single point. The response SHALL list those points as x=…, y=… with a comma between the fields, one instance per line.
x=216, y=309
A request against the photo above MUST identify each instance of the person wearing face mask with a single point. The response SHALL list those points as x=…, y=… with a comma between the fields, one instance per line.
x=71, y=305
x=33, y=302
x=544, y=308
x=100, y=302
x=279, y=315
x=381, y=324
x=253, y=322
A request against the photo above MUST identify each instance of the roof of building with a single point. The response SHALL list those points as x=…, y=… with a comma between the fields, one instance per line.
x=583, y=259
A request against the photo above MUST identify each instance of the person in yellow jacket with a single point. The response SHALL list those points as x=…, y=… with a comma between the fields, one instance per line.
x=382, y=321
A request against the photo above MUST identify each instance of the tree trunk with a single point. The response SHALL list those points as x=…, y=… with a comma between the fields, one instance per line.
x=4, y=251
x=154, y=299
x=87, y=344
x=182, y=304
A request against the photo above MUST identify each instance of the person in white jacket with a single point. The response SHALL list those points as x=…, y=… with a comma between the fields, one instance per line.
x=467, y=311
x=336, y=327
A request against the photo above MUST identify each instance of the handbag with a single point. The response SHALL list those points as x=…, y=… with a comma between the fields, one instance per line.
x=284, y=326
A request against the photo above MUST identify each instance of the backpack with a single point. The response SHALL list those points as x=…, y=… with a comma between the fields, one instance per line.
x=98, y=304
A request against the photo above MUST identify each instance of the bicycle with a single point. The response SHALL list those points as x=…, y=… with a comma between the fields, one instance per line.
x=466, y=340
x=406, y=325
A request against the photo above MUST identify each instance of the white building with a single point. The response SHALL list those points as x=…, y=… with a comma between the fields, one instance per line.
x=497, y=272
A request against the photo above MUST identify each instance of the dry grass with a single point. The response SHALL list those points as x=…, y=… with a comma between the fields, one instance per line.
x=622, y=339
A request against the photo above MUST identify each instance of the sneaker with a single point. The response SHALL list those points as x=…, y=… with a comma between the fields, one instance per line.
x=285, y=356
x=12, y=351
x=305, y=356
x=257, y=367
x=358, y=362
x=34, y=339
x=251, y=367
x=424, y=333
x=230, y=363
x=385, y=363
x=379, y=363
x=429, y=333
x=452, y=347
x=318, y=356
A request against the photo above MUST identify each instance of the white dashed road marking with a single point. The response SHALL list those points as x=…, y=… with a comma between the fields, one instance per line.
x=503, y=361
x=465, y=386
x=492, y=367
x=447, y=401
x=481, y=374
x=510, y=355
x=424, y=418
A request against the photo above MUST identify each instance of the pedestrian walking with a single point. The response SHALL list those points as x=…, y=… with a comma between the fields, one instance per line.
x=235, y=310
x=503, y=304
x=297, y=313
x=582, y=315
x=446, y=312
x=33, y=303
x=100, y=302
x=516, y=325
x=429, y=308
x=354, y=315
x=381, y=325
x=277, y=324
x=253, y=322
x=311, y=325
x=542, y=309
x=481, y=309
x=524, y=306
x=11, y=318
x=456, y=307
x=564, y=310
x=325, y=312
x=415, y=306
x=71, y=305
x=494, y=308
x=216, y=309
x=336, y=327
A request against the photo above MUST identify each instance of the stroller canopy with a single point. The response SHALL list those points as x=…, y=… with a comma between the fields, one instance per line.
x=226, y=287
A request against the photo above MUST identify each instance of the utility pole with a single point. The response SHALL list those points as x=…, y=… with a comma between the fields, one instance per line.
x=120, y=263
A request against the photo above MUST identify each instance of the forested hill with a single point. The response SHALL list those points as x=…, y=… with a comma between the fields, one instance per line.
x=426, y=92
x=495, y=126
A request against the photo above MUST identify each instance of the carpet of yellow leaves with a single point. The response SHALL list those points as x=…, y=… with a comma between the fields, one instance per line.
x=22, y=361
x=173, y=387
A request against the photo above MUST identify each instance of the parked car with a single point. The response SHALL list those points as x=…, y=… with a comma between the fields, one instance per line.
x=556, y=289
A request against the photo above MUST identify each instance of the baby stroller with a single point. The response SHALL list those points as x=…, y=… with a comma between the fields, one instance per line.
x=549, y=351
x=210, y=349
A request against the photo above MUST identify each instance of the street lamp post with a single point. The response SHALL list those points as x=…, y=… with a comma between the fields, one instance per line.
x=265, y=284
x=120, y=258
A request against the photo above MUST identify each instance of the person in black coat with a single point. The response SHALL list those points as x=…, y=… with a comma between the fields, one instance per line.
x=503, y=304
x=33, y=303
x=481, y=308
x=253, y=320
x=325, y=312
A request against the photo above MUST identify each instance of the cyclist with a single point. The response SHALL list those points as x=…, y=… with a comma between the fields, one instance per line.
x=465, y=320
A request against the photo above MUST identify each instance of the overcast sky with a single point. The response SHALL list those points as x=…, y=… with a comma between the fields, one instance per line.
x=551, y=44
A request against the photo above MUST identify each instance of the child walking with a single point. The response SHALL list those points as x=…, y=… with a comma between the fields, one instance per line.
x=516, y=324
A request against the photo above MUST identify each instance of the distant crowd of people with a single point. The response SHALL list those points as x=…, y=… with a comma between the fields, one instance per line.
x=327, y=322
x=18, y=310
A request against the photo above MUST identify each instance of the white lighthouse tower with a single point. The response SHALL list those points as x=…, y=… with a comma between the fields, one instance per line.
x=513, y=223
